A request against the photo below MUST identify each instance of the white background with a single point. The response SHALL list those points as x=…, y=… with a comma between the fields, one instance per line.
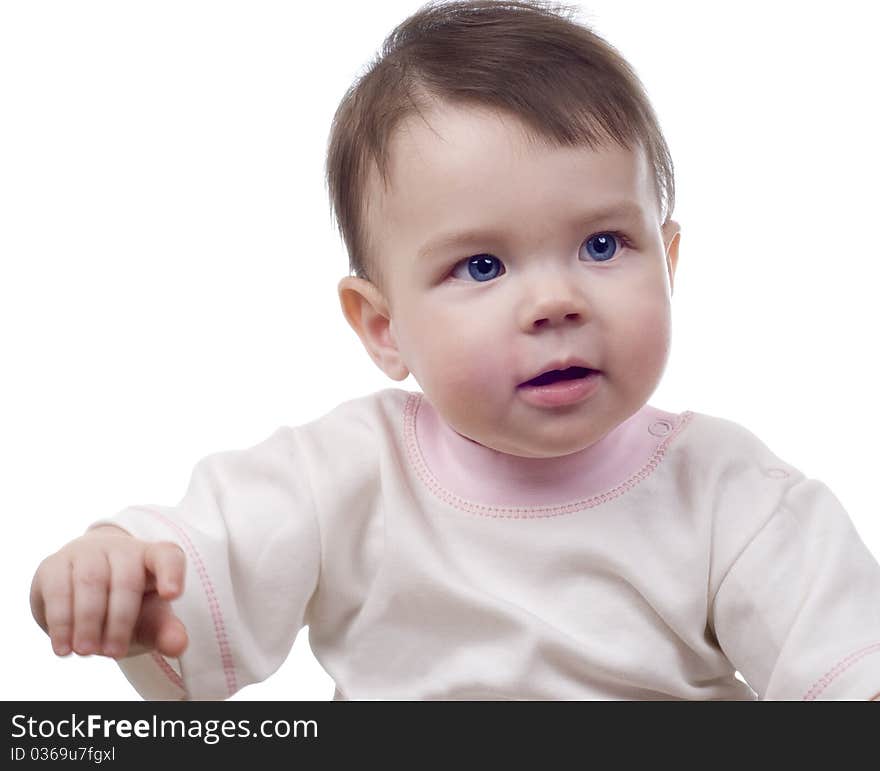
x=169, y=266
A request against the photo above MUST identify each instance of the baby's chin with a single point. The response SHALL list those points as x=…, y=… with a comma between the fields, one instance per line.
x=543, y=449
x=550, y=444
x=526, y=432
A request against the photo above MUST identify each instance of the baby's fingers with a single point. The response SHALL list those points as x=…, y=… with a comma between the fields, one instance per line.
x=91, y=578
x=158, y=629
x=127, y=584
x=52, y=604
x=167, y=562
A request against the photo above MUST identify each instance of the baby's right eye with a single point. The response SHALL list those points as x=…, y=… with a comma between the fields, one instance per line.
x=481, y=267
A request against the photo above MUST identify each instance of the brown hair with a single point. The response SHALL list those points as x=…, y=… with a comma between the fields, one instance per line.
x=526, y=57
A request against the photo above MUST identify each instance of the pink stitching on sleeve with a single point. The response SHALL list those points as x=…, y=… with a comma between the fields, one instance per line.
x=838, y=669
x=168, y=670
x=213, y=602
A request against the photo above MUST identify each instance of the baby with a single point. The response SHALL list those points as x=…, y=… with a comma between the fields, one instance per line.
x=526, y=526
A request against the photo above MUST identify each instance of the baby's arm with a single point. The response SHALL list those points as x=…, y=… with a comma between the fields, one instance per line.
x=796, y=612
x=107, y=592
x=248, y=527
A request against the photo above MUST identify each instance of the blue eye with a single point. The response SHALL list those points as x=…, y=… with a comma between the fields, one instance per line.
x=604, y=246
x=481, y=267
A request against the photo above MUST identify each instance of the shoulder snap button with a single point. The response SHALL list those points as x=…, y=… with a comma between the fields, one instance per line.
x=660, y=428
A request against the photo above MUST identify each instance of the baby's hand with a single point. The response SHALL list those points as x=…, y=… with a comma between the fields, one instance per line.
x=107, y=592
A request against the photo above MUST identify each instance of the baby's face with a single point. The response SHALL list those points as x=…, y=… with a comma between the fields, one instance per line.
x=551, y=280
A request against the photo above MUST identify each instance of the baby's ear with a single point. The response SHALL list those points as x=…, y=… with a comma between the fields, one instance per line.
x=368, y=314
x=671, y=239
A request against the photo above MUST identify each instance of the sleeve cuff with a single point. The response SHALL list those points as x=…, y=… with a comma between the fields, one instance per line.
x=855, y=677
x=204, y=670
x=154, y=677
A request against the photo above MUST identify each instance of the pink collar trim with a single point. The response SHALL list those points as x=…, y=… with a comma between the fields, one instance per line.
x=480, y=480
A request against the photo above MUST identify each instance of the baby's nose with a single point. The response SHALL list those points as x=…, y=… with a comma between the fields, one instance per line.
x=553, y=318
x=553, y=308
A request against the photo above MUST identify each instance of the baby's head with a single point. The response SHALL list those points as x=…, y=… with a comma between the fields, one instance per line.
x=504, y=192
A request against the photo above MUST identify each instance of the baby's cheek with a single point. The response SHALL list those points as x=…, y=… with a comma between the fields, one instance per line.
x=646, y=336
x=471, y=385
x=471, y=368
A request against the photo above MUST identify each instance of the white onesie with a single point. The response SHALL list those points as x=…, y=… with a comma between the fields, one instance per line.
x=652, y=565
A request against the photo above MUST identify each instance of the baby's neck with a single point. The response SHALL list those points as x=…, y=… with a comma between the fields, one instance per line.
x=479, y=473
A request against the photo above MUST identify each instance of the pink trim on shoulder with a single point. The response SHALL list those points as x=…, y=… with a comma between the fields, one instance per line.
x=211, y=595
x=838, y=669
x=461, y=472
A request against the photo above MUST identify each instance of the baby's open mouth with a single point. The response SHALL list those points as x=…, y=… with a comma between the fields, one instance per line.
x=554, y=375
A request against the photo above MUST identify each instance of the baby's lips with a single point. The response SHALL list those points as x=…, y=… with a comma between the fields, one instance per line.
x=553, y=376
x=560, y=364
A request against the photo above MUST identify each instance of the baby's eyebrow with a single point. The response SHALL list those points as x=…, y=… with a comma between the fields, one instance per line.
x=623, y=209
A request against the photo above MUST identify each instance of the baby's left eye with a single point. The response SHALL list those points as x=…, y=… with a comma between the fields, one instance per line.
x=603, y=246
